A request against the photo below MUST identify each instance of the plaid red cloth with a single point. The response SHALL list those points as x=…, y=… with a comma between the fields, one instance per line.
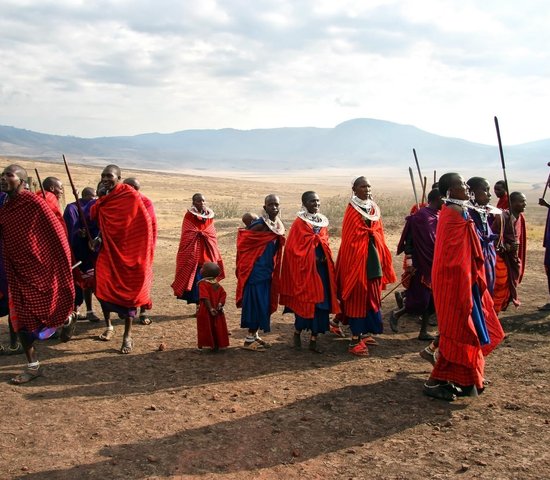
x=351, y=265
x=198, y=244
x=37, y=259
x=124, y=266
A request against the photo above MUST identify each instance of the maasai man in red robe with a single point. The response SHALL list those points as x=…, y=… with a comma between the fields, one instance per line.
x=500, y=191
x=308, y=280
x=37, y=259
x=124, y=263
x=363, y=268
x=510, y=264
x=418, y=242
x=134, y=183
x=53, y=190
x=78, y=241
x=211, y=325
x=198, y=244
x=468, y=326
x=259, y=254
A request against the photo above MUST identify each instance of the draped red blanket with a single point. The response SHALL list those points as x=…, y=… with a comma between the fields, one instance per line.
x=53, y=203
x=351, y=264
x=301, y=285
x=458, y=264
x=250, y=246
x=124, y=264
x=211, y=330
x=151, y=211
x=196, y=236
x=37, y=260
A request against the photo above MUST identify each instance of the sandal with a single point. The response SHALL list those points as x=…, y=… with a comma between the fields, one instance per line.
x=359, y=350
x=254, y=346
x=145, y=320
x=336, y=329
x=9, y=350
x=107, y=335
x=441, y=391
x=428, y=355
x=313, y=347
x=368, y=340
x=263, y=343
x=127, y=345
x=27, y=375
x=68, y=329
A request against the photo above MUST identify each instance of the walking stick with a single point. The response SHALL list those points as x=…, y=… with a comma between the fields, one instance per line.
x=424, y=190
x=546, y=186
x=414, y=187
x=78, y=206
x=409, y=275
x=40, y=183
x=502, y=161
x=435, y=176
x=422, y=183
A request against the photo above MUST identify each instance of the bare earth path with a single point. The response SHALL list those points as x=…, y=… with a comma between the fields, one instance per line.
x=181, y=413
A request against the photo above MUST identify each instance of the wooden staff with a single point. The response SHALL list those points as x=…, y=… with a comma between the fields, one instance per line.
x=422, y=179
x=40, y=183
x=424, y=190
x=414, y=187
x=405, y=278
x=502, y=161
x=546, y=186
x=435, y=176
x=78, y=206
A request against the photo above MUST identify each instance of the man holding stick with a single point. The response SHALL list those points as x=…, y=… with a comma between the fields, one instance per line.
x=546, y=242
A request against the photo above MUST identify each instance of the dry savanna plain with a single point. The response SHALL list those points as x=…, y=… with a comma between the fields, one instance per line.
x=185, y=413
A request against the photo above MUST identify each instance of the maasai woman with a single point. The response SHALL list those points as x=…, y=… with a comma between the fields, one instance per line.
x=363, y=268
x=308, y=284
x=198, y=244
x=259, y=254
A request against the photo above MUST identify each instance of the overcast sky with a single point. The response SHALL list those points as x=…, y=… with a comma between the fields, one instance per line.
x=103, y=68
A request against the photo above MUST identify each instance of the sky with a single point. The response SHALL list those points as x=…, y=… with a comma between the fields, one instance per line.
x=107, y=68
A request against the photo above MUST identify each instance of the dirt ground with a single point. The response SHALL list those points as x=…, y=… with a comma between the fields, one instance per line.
x=181, y=413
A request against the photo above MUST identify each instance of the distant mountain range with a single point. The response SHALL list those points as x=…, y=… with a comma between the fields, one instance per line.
x=356, y=143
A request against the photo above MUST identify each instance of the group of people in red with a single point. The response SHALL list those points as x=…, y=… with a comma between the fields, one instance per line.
x=51, y=262
x=463, y=262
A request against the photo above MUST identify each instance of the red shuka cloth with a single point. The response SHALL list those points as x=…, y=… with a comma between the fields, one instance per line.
x=351, y=264
x=301, y=286
x=151, y=211
x=503, y=203
x=37, y=260
x=53, y=203
x=458, y=264
x=250, y=246
x=198, y=244
x=124, y=266
x=211, y=330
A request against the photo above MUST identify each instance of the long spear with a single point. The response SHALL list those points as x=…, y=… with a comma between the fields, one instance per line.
x=414, y=187
x=502, y=161
x=435, y=176
x=424, y=189
x=422, y=184
x=40, y=183
x=78, y=206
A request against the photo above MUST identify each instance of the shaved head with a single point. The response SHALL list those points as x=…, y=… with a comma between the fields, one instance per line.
x=133, y=182
x=19, y=171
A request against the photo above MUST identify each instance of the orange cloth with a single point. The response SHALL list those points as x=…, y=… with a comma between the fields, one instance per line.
x=351, y=265
x=124, y=264
x=250, y=246
x=458, y=265
x=301, y=285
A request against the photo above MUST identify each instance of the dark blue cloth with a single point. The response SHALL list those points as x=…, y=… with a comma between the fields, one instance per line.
x=478, y=317
x=320, y=322
x=256, y=303
x=192, y=296
x=486, y=238
x=122, y=312
x=372, y=323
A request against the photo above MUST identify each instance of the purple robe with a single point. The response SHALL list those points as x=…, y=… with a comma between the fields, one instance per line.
x=487, y=239
x=418, y=239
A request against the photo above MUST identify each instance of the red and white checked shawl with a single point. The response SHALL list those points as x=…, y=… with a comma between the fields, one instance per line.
x=37, y=259
x=194, y=235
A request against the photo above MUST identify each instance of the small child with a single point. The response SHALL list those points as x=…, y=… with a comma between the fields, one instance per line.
x=248, y=218
x=211, y=325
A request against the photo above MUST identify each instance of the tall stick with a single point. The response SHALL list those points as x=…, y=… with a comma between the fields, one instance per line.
x=502, y=161
x=422, y=179
x=414, y=187
x=546, y=186
x=424, y=190
x=40, y=183
x=78, y=206
x=435, y=176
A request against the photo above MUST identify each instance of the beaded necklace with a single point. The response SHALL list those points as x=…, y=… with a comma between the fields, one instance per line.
x=367, y=208
x=314, y=219
x=207, y=213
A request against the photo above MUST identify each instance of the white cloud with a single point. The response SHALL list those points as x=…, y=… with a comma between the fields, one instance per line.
x=126, y=67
